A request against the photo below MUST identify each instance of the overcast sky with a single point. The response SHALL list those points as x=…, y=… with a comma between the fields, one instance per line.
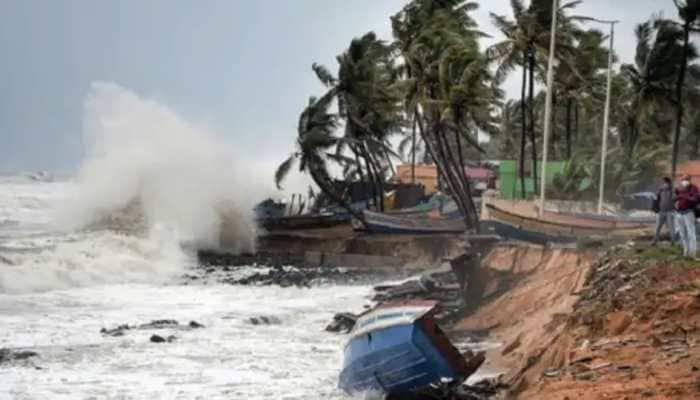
x=240, y=66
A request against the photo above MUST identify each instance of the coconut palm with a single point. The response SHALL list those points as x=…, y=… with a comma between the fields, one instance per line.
x=527, y=42
x=651, y=77
x=449, y=90
x=689, y=13
x=369, y=103
x=580, y=77
x=315, y=144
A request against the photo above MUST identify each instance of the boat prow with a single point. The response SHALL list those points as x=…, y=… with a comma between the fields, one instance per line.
x=398, y=348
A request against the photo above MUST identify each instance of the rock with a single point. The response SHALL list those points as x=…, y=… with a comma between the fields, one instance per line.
x=159, y=324
x=118, y=331
x=7, y=355
x=157, y=339
x=264, y=320
x=342, y=322
x=195, y=325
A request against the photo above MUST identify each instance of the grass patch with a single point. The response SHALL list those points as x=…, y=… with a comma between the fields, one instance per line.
x=664, y=255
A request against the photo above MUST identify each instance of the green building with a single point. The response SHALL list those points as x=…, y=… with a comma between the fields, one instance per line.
x=509, y=179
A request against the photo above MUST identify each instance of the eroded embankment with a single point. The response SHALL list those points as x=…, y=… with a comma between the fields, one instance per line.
x=341, y=246
x=526, y=291
x=579, y=325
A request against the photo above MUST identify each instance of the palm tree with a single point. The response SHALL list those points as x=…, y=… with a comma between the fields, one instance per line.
x=688, y=12
x=369, y=103
x=527, y=40
x=315, y=143
x=579, y=77
x=651, y=77
x=504, y=143
x=448, y=89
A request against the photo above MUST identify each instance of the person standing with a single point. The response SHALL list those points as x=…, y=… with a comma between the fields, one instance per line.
x=687, y=197
x=665, y=209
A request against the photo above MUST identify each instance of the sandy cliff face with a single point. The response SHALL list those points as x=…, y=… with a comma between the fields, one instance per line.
x=581, y=325
x=528, y=314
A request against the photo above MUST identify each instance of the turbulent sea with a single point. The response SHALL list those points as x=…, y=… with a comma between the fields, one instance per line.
x=58, y=289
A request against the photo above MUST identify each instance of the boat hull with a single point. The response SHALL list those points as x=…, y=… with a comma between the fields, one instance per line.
x=303, y=222
x=405, y=224
x=398, y=359
x=569, y=227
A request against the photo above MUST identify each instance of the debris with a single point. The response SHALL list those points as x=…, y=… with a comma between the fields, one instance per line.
x=552, y=373
x=160, y=339
x=263, y=320
x=196, y=325
x=342, y=322
x=8, y=355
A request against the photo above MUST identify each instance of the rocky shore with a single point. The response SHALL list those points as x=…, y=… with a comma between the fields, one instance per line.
x=280, y=269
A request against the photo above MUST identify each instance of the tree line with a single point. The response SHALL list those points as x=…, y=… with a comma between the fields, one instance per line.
x=434, y=90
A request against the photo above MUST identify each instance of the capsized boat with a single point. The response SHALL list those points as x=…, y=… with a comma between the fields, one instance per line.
x=398, y=348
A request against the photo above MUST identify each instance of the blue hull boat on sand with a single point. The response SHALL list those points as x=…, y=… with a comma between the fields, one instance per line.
x=398, y=348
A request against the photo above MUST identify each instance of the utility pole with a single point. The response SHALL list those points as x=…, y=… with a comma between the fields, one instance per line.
x=606, y=117
x=548, y=104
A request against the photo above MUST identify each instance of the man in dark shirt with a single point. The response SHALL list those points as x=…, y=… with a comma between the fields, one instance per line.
x=687, y=197
x=665, y=209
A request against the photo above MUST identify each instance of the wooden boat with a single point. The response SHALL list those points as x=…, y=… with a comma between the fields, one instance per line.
x=398, y=348
x=408, y=224
x=618, y=220
x=569, y=226
x=303, y=222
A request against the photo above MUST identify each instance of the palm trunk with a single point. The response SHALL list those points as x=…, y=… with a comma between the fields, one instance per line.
x=533, y=139
x=451, y=175
x=373, y=177
x=523, y=137
x=321, y=180
x=413, y=151
x=362, y=177
x=568, y=128
x=576, y=125
x=553, y=142
x=379, y=176
x=467, y=184
x=679, y=99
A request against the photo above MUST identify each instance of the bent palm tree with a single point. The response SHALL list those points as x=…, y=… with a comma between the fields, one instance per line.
x=315, y=143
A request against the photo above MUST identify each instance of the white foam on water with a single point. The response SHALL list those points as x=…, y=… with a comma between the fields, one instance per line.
x=228, y=359
x=93, y=259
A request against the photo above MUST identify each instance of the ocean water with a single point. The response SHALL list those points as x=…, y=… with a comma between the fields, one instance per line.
x=58, y=289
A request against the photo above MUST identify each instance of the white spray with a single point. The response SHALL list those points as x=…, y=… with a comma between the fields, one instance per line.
x=184, y=178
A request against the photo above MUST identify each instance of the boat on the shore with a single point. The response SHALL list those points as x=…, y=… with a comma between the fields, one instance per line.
x=618, y=221
x=398, y=348
x=408, y=224
x=314, y=221
x=570, y=226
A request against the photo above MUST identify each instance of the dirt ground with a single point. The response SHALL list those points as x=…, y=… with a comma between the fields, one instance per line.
x=633, y=334
x=624, y=325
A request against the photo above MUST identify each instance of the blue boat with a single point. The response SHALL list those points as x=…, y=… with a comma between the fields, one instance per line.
x=398, y=348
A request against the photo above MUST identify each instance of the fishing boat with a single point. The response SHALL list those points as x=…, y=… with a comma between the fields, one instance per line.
x=312, y=221
x=617, y=220
x=569, y=226
x=398, y=348
x=408, y=224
